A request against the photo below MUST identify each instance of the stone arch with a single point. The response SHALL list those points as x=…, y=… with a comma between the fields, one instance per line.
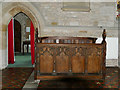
x=10, y=11
x=17, y=9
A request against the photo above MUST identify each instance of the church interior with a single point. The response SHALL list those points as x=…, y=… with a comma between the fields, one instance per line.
x=55, y=44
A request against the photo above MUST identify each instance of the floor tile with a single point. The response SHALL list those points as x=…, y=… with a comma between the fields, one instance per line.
x=15, y=77
x=111, y=81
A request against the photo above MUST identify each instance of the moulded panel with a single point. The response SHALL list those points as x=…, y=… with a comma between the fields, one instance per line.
x=46, y=63
x=78, y=64
x=93, y=64
x=62, y=63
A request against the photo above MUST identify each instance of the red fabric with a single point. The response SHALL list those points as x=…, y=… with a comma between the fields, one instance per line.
x=32, y=43
x=10, y=43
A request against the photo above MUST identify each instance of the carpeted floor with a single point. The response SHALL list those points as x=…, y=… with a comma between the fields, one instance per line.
x=15, y=77
x=111, y=81
x=22, y=60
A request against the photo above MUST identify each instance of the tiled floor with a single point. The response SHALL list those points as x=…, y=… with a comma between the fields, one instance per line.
x=111, y=81
x=15, y=77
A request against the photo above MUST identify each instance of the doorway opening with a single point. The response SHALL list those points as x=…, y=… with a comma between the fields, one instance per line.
x=17, y=37
x=21, y=34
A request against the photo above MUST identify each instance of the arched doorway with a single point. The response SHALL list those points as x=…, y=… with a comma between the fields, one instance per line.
x=9, y=12
x=22, y=33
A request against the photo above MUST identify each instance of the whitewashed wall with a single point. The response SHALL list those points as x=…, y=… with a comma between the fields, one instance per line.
x=112, y=47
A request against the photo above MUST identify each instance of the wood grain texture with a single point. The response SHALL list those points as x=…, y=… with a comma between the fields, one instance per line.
x=89, y=77
x=78, y=64
x=46, y=63
x=94, y=64
x=46, y=59
x=62, y=64
x=62, y=59
x=70, y=57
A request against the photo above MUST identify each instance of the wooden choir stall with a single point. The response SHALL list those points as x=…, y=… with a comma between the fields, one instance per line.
x=70, y=57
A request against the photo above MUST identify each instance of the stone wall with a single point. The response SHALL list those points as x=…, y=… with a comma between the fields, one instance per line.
x=52, y=21
x=63, y=23
x=101, y=14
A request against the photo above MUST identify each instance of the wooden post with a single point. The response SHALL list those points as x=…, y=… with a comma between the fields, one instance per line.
x=104, y=53
x=104, y=36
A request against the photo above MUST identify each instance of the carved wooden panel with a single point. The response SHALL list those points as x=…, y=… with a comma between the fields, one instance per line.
x=71, y=58
x=94, y=65
x=77, y=60
x=62, y=60
x=94, y=59
x=78, y=55
x=46, y=63
x=46, y=59
x=78, y=64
